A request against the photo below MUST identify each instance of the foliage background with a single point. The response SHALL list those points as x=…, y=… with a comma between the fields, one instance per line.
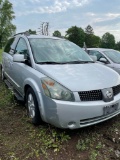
x=0, y=55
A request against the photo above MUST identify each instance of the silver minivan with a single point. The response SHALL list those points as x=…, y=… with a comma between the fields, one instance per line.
x=59, y=82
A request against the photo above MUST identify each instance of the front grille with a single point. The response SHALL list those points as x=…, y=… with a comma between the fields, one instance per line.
x=116, y=90
x=94, y=95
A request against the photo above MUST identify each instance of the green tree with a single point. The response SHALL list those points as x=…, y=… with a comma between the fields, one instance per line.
x=31, y=31
x=6, y=16
x=91, y=40
x=108, y=41
x=89, y=30
x=117, y=46
x=95, y=41
x=76, y=35
x=57, y=33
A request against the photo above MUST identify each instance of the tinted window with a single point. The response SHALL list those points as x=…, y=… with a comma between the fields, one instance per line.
x=8, y=45
x=22, y=48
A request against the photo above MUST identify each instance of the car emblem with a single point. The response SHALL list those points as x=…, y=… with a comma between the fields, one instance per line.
x=109, y=94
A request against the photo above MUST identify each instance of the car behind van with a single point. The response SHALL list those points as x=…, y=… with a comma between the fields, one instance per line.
x=108, y=57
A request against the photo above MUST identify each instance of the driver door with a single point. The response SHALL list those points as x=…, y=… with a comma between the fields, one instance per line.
x=19, y=70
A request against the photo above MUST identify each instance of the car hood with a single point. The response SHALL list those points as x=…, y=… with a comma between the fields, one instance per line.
x=81, y=77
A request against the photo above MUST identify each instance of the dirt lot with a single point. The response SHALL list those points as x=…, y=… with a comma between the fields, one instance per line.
x=20, y=140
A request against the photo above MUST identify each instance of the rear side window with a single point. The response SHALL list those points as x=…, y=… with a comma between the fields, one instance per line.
x=8, y=45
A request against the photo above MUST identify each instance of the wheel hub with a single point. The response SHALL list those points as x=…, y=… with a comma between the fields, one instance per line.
x=31, y=106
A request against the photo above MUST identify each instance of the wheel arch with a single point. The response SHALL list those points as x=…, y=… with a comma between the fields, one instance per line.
x=30, y=83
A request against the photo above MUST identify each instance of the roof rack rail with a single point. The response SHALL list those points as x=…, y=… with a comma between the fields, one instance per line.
x=25, y=33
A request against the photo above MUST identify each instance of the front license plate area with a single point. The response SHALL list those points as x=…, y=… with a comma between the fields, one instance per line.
x=110, y=109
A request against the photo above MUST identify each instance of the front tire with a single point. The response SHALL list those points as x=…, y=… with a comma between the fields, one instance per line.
x=32, y=107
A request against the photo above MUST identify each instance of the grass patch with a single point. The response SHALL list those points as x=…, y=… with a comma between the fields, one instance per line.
x=6, y=96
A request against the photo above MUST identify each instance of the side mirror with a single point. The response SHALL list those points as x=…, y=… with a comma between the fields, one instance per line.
x=18, y=58
x=94, y=58
x=104, y=60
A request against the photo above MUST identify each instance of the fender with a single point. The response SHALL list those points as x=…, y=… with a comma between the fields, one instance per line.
x=32, y=83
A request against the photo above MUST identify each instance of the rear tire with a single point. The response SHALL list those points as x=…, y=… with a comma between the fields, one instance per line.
x=32, y=107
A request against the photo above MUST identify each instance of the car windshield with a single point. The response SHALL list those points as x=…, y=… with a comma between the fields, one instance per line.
x=113, y=55
x=57, y=51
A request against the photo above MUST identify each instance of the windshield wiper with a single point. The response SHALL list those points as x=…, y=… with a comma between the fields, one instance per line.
x=70, y=62
x=77, y=62
x=88, y=61
x=52, y=62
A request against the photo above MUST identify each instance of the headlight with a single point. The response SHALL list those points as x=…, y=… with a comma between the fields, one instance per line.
x=54, y=90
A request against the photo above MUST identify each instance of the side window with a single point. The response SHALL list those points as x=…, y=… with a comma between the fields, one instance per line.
x=22, y=48
x=8, y=45
x=97, y=54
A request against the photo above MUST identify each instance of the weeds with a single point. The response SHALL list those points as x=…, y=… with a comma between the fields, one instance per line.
x=99, y=145
x=6, y=96
x=85, y=144
x=93, y=155
x=49, y=140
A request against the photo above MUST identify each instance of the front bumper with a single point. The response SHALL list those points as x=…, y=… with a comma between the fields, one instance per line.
x=74, y=115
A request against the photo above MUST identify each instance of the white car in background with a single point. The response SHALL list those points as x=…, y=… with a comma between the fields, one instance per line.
x=109, y=57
